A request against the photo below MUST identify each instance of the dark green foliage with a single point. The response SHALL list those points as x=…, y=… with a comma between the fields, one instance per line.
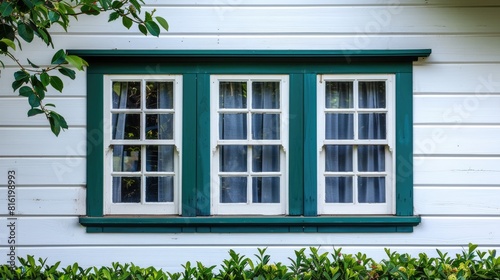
x=21, y=20
x=471, y=264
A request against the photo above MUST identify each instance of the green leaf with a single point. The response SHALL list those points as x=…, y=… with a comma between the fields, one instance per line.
x=35, y=111
x=26, y=91
x=76, y=61
x=59, y=57
x=9, y=43
x=6, y=8
x=117, y=4
x=127, y=22
x=153, y=28
x=50, y=105
x=56, y=123
x=113, y=16
x=25, y=31
x=32, y=64
x=56, y=83
x=17, y=84
x=67, y=72
x=90, y=10
x=143, y=29
x=162, y=22
x=45, y=78
x=53, y=16
x=136, y=4
x=33, y=101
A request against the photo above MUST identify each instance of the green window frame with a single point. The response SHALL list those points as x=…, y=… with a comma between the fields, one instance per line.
x=302, y=67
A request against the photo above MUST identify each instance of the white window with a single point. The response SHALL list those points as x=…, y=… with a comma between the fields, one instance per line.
x=142, y=141
x=249, y=141
x=355, y=131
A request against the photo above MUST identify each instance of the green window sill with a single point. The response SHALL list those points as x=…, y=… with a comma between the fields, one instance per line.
x=251, y=224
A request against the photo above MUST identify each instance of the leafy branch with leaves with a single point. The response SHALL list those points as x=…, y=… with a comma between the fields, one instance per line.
x=23, y=20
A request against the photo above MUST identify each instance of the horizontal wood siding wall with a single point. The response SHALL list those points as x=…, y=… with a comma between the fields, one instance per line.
x=456, y=126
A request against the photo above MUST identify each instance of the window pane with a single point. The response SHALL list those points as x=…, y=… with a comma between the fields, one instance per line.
x=372, y=126
x=266, y=95
x=266, y=158
x=266, y=190
x=232, y=126
x=160, y=126
x=126, y=189
x=159, y=95
x=126, y=126
x=339, y=126
x=371, y=158
x=371, y=189
x=338, y=190
x=265, y=126
x=126, y=95
x=160, y=158
x=126, y=158
x=372, y=94
x=233, y=189
x=160, y=189
x=232, y=95
x=339, y=95
x=233, y=158
x=338, y=158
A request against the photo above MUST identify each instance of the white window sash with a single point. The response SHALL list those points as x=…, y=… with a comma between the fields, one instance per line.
x=142, y=208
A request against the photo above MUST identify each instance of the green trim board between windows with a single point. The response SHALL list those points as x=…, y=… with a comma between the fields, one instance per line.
x=302, y=66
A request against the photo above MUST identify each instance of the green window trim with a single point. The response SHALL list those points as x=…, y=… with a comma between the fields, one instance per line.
x=302, y=67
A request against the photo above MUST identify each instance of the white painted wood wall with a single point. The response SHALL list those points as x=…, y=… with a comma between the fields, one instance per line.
x=456, y=126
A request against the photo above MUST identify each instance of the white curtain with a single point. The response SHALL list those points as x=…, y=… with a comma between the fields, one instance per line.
x=233, y=158
x=370, y=158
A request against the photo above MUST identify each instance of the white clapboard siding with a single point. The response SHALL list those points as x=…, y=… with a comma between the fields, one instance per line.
x=40, y=201
x=323, y=19
x=456, y=171
x=436, y=200
x=36, y=171
x=457, y=78
x=458, y=139
x=39, y=141
x=456, y=109
x=14, y=111
x=162, y=257
x=435, y=231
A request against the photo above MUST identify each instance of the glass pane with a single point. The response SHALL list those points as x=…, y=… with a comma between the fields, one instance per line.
x=371, y=158
x=160, y=126
x=126, y=189
x=339, y=126
x=265, y=126
x=371, y=189
x=338, y=158
x=372, y=94
x=159, y=95
x=233, y=158
x=266, y=190
x=232, y=126
x=265, y=158
x=160, y=158
x=266, y=95
x=126, y=158
x=160, y=189
x=126, y=95
x=126, y=126
x=233, y=189
x=372, y=126
x=338, y=190
x=232, y=95
x=339, y=95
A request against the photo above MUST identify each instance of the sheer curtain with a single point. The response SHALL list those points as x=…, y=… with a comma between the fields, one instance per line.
x=370, y=158
x=234, y=158
x=119, y=101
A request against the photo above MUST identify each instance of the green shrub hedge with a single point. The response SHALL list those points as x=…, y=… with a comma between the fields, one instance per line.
x=310, y=264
